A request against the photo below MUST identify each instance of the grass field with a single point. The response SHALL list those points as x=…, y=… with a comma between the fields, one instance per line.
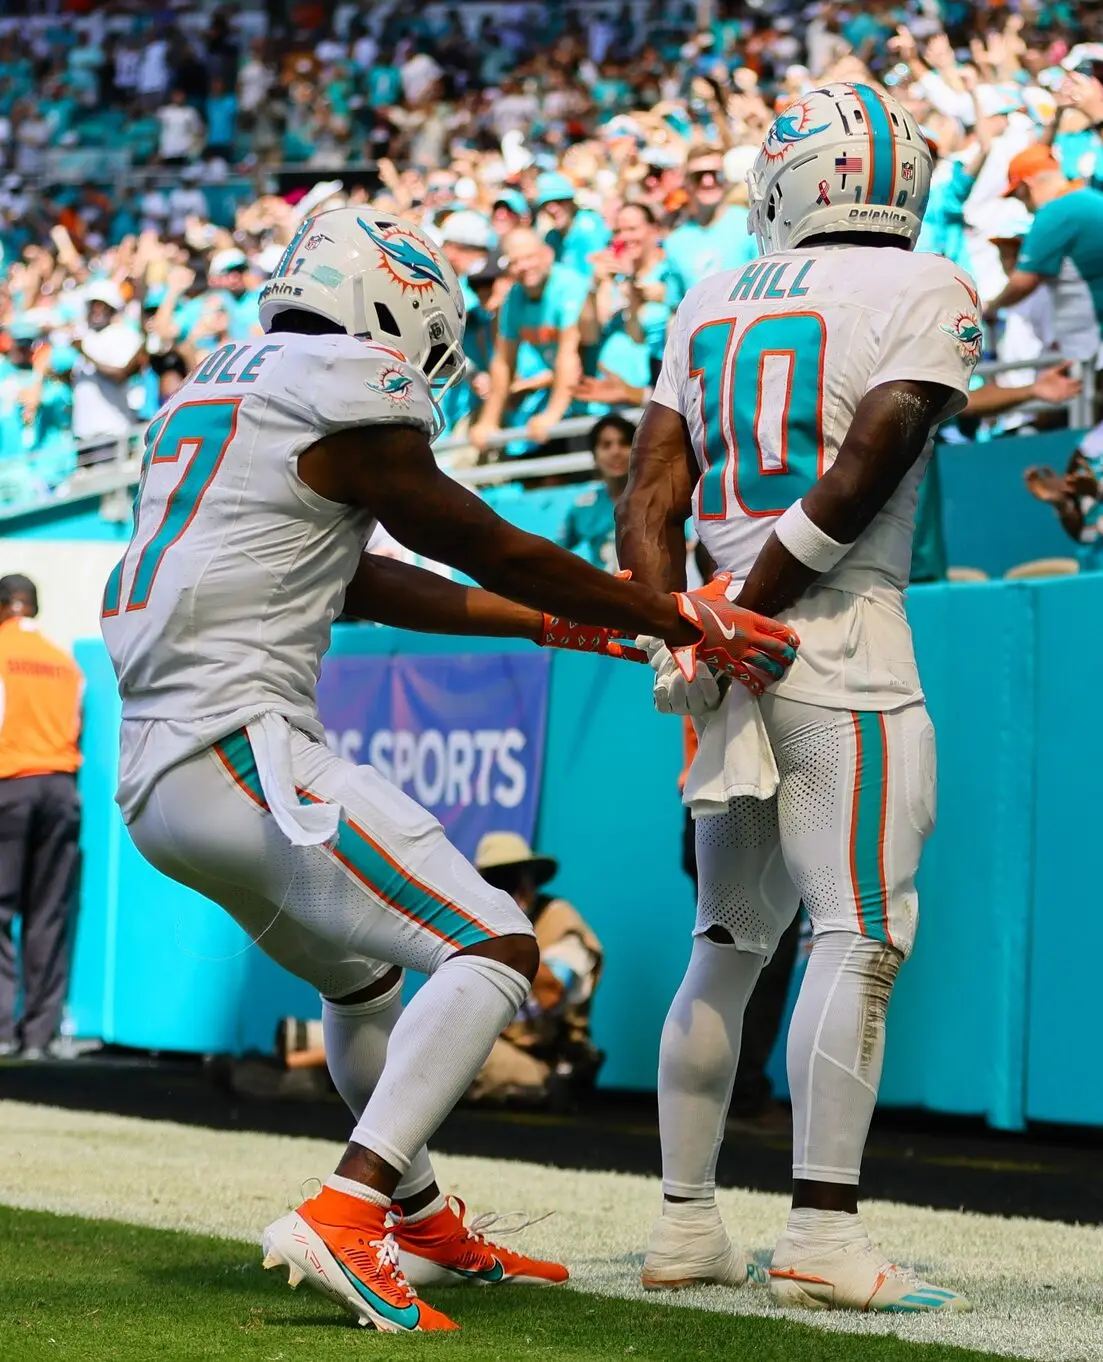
x=88, y=1291
x=180, y=1277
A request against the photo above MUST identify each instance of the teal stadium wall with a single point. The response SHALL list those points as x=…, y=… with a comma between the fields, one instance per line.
x=995, y=1014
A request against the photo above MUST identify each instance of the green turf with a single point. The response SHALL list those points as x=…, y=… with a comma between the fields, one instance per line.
x=77, y=1290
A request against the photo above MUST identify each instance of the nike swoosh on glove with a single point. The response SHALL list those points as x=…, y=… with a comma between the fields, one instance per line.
x=751, y=649
x=671, y=692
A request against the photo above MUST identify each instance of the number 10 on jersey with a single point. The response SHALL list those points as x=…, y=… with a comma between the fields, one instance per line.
x=761, y=411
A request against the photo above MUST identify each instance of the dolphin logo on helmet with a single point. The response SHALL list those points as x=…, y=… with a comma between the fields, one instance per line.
x=789, y=128
x=862, y=165
x=407, y=259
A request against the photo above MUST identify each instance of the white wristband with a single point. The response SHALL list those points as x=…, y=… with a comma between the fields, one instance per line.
x=807, y=542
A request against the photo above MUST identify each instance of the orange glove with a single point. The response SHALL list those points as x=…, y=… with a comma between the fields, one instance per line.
x=735, y=642
x=588, y=638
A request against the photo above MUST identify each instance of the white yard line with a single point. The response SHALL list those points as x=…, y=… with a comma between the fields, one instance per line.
x=1037, y=1286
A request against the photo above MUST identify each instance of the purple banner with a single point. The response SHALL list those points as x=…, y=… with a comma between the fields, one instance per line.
x=461, y=734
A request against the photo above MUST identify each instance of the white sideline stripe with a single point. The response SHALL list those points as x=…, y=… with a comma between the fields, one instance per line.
x=1037, y=1287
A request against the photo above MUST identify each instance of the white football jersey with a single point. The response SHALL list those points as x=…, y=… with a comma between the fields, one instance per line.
x=768, y=364
x=220, y=609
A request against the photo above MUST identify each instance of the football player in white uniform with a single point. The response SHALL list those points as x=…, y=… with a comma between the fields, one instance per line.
x=793, y=420
x=262, y=480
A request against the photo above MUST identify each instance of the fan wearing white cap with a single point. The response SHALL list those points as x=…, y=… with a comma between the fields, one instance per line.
x=793, y=420
x=466, y=240
x=109, y=354
x=264, y=476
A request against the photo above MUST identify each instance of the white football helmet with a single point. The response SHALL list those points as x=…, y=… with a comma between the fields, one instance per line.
x=843, y=158
x=381, y=278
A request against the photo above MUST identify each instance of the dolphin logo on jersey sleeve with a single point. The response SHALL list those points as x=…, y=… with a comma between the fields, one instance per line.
x=395, y=386
x=405, y=260
x=966, y=330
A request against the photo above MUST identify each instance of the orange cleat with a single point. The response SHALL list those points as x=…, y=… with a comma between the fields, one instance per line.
x=441, y=1249
x=341, y=1247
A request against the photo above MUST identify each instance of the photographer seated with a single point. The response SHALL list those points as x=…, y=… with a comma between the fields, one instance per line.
x=545, y=1057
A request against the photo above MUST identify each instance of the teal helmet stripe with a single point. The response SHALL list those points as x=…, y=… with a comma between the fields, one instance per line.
x=881, y=184
x=292, y=246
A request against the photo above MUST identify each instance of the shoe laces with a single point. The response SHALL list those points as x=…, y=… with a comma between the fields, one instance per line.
x=503, y=1223
x=386, y=1255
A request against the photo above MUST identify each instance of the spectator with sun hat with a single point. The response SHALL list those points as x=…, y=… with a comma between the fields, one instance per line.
x=545, y=1056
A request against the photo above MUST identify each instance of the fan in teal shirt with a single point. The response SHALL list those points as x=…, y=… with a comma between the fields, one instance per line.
x=1069, y=228
x=1079, y=155
x=37, y=450
x=633, y=307
x=590, y=527
x=538, y=337
x=1064, y=249
x=384, y=85
x=714, y=237
x=943, y=229
x=536, y=321
x=221, y=119
x=467, y=241
x=576, y=233
x=230, y=272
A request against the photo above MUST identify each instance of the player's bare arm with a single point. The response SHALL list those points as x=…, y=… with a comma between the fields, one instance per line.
x=889, y=432
x=409, y=597
x=393, y=474
x=651, y=515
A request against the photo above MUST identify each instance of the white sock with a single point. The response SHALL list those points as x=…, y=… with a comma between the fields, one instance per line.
x=437, y=1204
x=438, y=1045
x=356, y=1037
x=698, y=1057
x=835, y=1051
x=359, y=1190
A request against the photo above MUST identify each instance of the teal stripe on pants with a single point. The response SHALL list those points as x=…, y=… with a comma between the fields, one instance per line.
x=367, y=860
x=238, y=751
x=867, y=831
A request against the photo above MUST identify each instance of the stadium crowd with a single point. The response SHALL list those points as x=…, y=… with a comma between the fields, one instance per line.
x=582, y=165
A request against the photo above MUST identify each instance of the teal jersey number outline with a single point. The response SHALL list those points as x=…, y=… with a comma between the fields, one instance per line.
x=730, y=372
x=197, y=433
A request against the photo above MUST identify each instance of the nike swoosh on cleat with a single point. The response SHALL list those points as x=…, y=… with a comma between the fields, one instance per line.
x=490, y=1275
x=408, y=1317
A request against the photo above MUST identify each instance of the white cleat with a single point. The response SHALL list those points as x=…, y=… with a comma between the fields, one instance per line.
x=351, y=1266
x=852, y=1276
x=689, y=1245
x=290, y=1243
